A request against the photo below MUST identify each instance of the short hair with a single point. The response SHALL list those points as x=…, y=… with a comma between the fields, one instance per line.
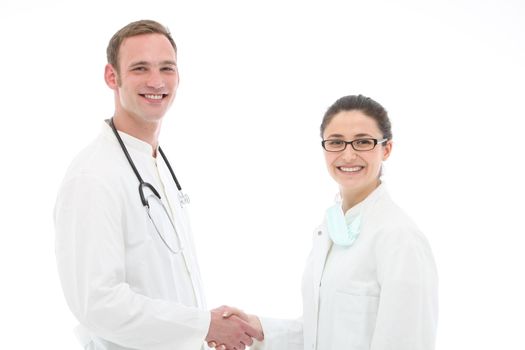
x=364, y=104
x=141, y=27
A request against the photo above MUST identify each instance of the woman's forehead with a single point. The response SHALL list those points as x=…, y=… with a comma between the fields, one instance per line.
x=352, y=123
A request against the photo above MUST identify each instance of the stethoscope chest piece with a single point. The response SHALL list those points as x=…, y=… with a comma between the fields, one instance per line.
x=184, y=199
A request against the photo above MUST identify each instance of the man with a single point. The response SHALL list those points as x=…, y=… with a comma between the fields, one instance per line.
x=125, y=254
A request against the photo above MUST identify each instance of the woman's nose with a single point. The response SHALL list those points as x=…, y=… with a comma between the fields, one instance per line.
x=348, y=153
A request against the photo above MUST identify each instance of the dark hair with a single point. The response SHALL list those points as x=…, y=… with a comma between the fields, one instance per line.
x=133, y=29
x=361, y=103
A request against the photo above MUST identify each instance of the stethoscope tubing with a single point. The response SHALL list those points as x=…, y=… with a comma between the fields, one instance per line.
x=142, y=183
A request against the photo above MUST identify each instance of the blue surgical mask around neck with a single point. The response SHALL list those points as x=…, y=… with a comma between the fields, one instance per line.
x=342, y=232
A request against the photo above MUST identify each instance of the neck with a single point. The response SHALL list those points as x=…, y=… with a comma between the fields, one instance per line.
x=352, y=197
x=147, y=132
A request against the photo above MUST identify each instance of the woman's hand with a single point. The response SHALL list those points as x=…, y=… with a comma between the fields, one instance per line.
x=252, y=320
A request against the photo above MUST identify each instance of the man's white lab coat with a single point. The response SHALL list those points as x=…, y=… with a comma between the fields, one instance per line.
x=127, y=290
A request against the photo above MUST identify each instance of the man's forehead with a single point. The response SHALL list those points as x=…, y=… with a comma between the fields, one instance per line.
x=148, y=48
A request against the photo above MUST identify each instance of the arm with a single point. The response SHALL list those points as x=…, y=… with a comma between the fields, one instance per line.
x=281, y=334
x=408, y=307
x=91, y=261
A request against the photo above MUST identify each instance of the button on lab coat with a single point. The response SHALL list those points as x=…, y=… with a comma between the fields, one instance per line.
x=378, y=294
x=127, y=290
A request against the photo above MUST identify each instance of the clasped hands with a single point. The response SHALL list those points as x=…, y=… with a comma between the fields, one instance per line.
x=232, y=329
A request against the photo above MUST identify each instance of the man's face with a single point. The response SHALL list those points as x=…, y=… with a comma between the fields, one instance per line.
x=147, y=79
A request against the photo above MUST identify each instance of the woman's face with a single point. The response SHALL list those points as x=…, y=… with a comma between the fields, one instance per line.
x=356, y=172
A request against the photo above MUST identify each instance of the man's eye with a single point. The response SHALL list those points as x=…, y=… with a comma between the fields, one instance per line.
x=139, y=69
x=168, y=69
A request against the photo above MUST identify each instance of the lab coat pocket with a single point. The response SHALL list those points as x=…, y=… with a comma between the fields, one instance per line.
x=354, y=321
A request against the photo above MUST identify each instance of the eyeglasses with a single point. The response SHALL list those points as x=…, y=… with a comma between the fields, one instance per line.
x=337, y=145
x=158, y=214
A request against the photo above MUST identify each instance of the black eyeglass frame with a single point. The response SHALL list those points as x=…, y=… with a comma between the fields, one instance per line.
x=351, y=143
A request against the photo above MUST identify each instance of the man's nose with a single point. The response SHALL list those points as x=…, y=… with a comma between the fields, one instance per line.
x=155, y=80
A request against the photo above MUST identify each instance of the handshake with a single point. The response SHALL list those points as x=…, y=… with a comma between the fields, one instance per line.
x=232, y=329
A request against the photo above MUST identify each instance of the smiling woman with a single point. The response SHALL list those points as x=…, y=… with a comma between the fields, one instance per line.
x=356, y=169
x=370, y=281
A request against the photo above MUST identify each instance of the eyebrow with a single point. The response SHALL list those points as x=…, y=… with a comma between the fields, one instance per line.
x=146, y=63
x=335, y=135
x=363, y=135
x=355, y=136
x=168, y=62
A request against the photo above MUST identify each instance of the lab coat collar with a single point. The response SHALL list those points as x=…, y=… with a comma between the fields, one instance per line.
x=129, y=141
x=378, y=192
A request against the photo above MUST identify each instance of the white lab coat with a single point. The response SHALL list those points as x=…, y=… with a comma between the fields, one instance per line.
x=127, y=290
x=378, y=294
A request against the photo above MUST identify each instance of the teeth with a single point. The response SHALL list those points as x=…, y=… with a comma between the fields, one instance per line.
x=153, y=97
x=351, y=170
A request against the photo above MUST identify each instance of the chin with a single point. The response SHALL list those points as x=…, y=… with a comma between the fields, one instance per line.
x=351, y=185
x=154, y=118
x=356, y=184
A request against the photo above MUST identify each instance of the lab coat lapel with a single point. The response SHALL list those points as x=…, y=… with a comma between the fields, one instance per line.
x=182, y=226
x=184, y=230
x=322, y=245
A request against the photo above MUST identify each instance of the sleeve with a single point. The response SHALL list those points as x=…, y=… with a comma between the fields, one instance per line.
x=90, y=253
x=280, y=335
x=408, y=306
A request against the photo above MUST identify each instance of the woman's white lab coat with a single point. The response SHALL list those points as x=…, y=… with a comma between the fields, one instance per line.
x=378, y=294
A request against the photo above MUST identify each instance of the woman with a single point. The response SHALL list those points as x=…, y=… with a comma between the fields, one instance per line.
x=370, y=281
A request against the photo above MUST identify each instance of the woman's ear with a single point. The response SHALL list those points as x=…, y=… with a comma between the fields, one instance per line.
x=387, y=149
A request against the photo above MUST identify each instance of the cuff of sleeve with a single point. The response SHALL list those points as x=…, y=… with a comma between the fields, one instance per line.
x=280, y=334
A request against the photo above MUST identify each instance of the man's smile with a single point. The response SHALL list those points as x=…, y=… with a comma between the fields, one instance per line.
x=154, y=96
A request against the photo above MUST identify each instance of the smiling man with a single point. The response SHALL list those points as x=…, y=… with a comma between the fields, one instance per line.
x=125, y=253
x=143, y=73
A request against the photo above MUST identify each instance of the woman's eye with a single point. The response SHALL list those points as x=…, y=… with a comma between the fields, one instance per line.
x=335, y=142
x=363, y=142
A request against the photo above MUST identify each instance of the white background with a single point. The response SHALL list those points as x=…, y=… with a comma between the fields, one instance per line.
x=256, y=78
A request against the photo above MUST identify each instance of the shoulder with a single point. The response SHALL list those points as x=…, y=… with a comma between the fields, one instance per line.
x=99, y=161
x=392, y=225
x=94, y=173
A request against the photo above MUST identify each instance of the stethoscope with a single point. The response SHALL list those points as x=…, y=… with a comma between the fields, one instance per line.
x=183, y=198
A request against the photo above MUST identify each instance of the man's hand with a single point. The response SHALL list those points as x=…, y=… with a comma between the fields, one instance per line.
x=232, y=332
x=253, y=320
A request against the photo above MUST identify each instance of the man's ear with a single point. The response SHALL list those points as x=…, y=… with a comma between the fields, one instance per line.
x=110, y=76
